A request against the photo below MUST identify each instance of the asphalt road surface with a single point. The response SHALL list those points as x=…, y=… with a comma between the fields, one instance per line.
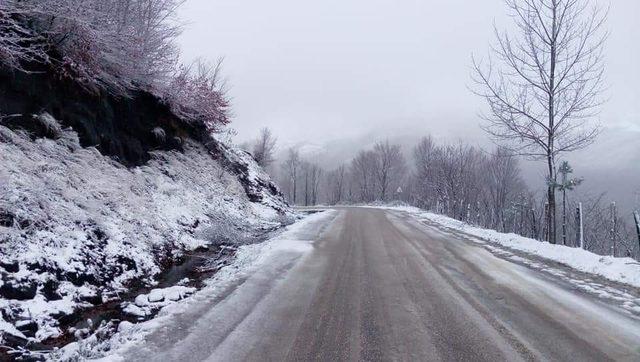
x=381, y=286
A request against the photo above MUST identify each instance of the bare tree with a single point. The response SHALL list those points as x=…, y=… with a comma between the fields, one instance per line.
x=292, y=168
x=197, y=94
x=458, y=178
x=425, y=156
x=306, y=173
x=315, y=174
x=503, y=183
x=336, y=180
x=116, y=44
x=264, y=147
x=548, y=84
x=363, y=169
x=390, y=167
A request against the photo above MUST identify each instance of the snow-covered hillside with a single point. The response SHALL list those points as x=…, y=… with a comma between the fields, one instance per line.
x=77, y=228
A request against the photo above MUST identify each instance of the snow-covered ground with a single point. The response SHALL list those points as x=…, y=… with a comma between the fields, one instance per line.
x=253, y=264
x=257, y=308
x=622, y=270
x=77, y=228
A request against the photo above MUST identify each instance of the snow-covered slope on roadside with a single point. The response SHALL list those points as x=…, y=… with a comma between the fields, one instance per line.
x=77, y=227
x=261, y=261
x=623, y=270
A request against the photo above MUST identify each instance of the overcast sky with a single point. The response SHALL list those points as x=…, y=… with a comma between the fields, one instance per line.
x=331, y=71
x=318, y=70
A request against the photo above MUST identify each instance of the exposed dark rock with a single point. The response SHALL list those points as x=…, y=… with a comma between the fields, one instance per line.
x=122, y=127
x=50, y=290
x=11, y=340
x=24, y=223
x=10, y=267
x=126, y=128
x=78, y=279
x=63, y=318
x=237, y=164
x=28, y=328
x=93, y=299
x=127, y=262
x=18, y=290
x=37, y=267
x=6, y=218
x=99, y=234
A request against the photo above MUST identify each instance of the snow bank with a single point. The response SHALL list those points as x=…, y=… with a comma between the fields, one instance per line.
x=296, y=241
x=77, y=227
x=145, y=304
x=623, y=270
x=8, y=328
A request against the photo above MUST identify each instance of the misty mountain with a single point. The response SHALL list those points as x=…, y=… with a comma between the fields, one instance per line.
x=610, y=165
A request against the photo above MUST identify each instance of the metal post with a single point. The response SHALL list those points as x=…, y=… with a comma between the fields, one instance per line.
x=636, y=216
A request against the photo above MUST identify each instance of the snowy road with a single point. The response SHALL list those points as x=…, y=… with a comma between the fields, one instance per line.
x=371, y=284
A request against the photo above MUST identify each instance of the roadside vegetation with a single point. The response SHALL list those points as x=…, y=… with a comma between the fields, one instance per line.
x=118, y=46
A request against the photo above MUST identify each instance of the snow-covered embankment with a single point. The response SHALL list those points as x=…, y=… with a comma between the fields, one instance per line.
x=622, y=270
x=77, y=228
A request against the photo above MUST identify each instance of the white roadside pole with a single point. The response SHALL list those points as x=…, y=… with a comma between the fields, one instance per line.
x=580, y=225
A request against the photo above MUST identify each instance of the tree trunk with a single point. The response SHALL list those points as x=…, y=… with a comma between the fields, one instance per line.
x=551, y=216
x=551, y=210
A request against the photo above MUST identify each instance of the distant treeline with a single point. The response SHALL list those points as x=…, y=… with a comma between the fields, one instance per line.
x=461, y=181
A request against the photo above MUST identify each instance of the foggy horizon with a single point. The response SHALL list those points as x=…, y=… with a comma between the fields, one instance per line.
x=335, y=77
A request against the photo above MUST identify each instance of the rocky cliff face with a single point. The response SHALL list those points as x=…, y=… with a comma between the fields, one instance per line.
x=125, y=128
x=101, y=193
x=118, y=126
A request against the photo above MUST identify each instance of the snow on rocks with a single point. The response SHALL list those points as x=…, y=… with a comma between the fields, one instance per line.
x=256, y=182
x=145, y=304
x=76, y=227
x=125, y=326
x=8, y=328
x=155, y=296
x=142, y=300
